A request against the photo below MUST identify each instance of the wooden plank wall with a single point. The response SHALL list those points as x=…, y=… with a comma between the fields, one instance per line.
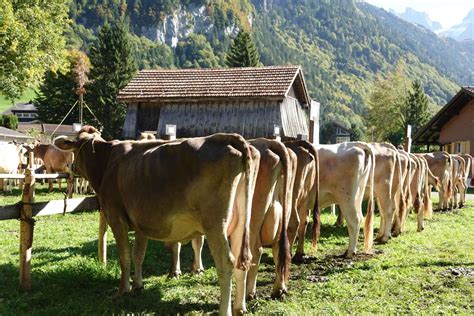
x=294, y=120
x=251, y=119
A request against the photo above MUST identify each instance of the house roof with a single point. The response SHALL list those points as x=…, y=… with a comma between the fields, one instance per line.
x=215, y=83
x=429, y=134
x=9, y=133
x=21, y=106
x=48, y=128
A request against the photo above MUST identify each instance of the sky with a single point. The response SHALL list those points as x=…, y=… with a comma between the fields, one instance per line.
x=447, y=12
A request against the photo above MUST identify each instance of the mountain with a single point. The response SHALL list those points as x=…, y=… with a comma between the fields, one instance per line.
x=463, y=31
x=343, y=45
x=420, y=18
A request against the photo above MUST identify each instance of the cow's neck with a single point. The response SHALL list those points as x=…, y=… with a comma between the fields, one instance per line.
x=93, y=160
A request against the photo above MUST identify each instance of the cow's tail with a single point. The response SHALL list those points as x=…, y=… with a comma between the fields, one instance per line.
x=427, y=204
x=369, y=218
x=284, y=257
x=245, y=256
x=316, y=228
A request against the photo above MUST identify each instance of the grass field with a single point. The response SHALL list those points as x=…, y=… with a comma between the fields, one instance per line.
x=431, y=272
x=26, y=97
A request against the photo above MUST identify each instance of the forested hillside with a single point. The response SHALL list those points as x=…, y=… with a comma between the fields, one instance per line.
x=341, y=44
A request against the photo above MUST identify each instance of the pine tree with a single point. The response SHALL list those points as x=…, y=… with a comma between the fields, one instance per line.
x=243, y=52
x=416, y=108
x=113, y=65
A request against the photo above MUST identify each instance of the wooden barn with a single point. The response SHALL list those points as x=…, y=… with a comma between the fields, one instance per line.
x=250, y=101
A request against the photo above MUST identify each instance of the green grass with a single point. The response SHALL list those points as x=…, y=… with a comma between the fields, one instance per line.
x=26, y=97
x=411, y=274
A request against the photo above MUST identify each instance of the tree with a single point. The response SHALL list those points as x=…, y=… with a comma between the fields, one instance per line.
x=196, y=52
x=31, y=42
x=242, y=52
x=59, y=91
x=9, y=121
x=113, y=65
x=386, y=105
x=416, y=108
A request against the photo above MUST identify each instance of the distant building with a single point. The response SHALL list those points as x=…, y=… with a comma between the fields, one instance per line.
x=453, y=126
x=26, y=112
x=9, y=135
x=46, y=132
x=253, y=102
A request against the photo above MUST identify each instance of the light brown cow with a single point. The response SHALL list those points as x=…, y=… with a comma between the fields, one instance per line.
x=346, y=170
x=174, y=192
x=10, y=159
x=468, y=172
x=440, y=164
x=305, y=195
x=430, y=180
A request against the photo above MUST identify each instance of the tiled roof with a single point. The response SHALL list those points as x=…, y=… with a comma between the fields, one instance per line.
x=11, y=133
x=469, y=89
x=247, y=82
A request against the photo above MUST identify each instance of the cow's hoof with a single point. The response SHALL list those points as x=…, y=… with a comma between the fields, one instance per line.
x=382, y=239
x=238, y=312
x=461, y=205
x=420, y=229
x=347, y=255
x=298, y=258
x=279, y=294
x=197, y=271
x=251, y=296
x=174, y=275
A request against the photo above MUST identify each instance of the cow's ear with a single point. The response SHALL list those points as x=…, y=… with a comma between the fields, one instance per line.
x=64, y=144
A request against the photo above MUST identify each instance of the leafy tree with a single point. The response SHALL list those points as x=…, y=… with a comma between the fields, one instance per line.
x=416, y=108
x=9, y=121
x=31, y=42
x=356, y=133
x=386, y=104
x=196, y=52
x=58, y=92
x=113, y=65
x=243, y=52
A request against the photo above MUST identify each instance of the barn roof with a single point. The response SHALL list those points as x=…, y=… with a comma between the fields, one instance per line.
x=429, y=134
x=216, y=83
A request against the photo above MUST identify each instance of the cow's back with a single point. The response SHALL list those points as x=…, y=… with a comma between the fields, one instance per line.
x=9, y=158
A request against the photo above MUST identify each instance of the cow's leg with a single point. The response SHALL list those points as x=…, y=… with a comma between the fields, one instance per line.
x=197, y=244
x=340, y=218
x=50, y=185
x=386, y=218
x=257, y=251
x=59, y=184
x=175, y=270
x=139, y=249
x=353, y=216
x=420, y=216
x=303, y=215
x=120, y=231
x=221, y=254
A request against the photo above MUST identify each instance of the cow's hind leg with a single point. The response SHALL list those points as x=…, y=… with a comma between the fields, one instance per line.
x=353, y=217
x=220, y=251
x=257, y=251
x=120, y=231
x=139, y=249
x=175, y=269
x=197, y=244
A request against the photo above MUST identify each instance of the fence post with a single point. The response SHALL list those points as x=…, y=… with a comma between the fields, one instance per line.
x=26, y=227
x=102, y=251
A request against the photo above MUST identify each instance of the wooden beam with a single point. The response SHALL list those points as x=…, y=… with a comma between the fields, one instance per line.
x=51, y=207
x=37, y=176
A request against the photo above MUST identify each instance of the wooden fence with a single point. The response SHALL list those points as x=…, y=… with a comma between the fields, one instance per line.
x=26, y=209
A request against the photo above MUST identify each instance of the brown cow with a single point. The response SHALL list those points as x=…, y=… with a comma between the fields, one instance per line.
x=174, y=192
x=459, y=180
x=468, y=159
x=54, y=160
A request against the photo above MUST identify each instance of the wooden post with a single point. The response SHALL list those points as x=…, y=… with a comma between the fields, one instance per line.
x=26, y=227
x=102, y=251
x=408, y=139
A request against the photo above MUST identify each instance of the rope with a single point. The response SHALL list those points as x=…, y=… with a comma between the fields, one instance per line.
x=98, y=121
x=70, y=110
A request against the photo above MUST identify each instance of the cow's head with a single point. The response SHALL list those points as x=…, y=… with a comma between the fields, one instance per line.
x=86, y=134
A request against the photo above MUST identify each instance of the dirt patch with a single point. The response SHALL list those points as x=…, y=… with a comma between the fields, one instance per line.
x=459, y=272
